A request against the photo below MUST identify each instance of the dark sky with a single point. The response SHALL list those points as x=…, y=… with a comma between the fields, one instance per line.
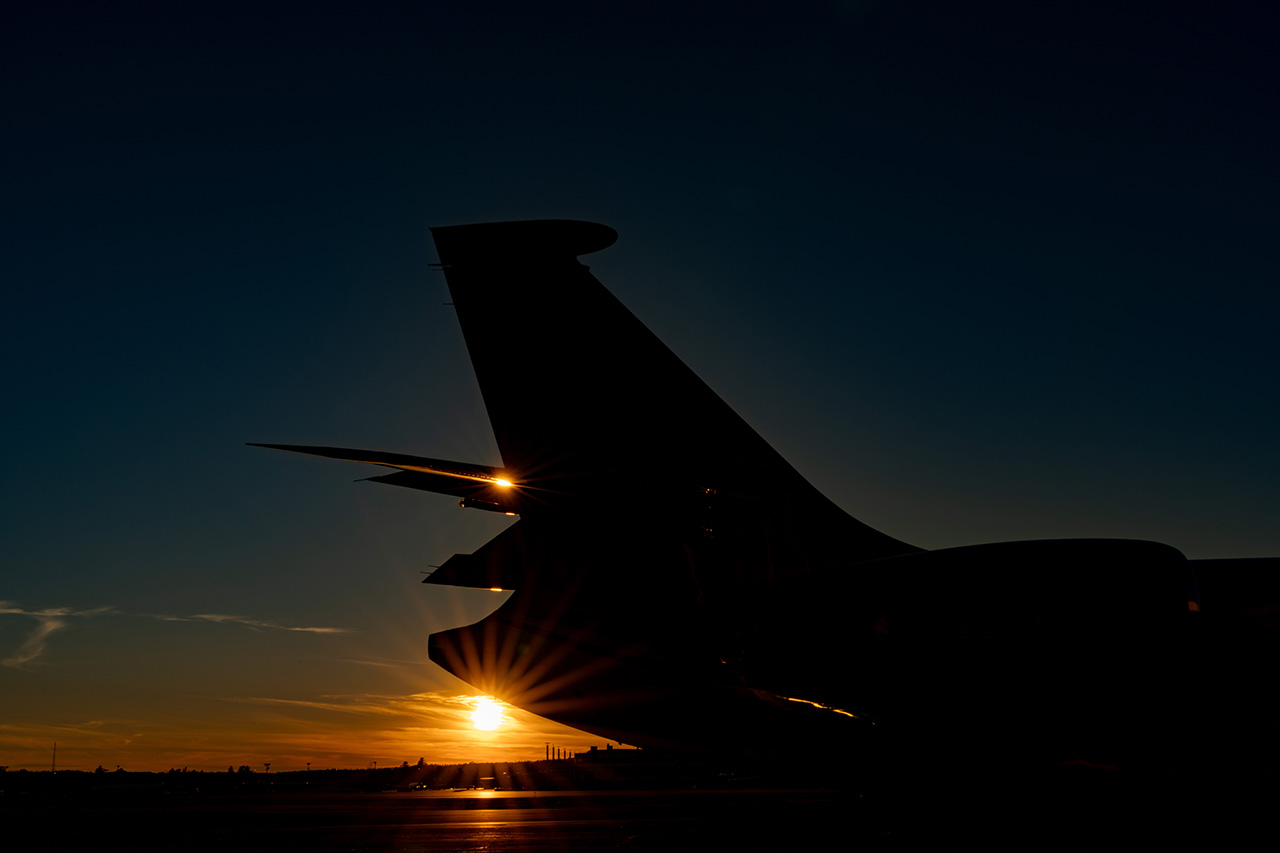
x=982, y=271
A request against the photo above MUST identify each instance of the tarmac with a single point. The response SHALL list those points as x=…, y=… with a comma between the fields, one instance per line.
x=1102, y=809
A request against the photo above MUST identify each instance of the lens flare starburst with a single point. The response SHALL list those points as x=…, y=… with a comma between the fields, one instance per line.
x=488, y=714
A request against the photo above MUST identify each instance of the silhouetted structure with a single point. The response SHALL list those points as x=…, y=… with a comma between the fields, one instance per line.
x=679, y=585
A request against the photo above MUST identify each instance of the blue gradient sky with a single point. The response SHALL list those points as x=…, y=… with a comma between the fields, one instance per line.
x=982, y=271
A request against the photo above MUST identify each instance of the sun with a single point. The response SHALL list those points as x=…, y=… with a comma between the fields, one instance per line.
x=488, y=714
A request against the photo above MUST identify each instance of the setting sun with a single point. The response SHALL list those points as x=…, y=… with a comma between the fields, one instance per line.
x=488, y=714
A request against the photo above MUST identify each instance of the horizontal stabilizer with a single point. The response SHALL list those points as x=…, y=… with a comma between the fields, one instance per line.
x=479, y=486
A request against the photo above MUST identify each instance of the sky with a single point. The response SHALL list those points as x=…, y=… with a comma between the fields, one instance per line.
x=981, y=271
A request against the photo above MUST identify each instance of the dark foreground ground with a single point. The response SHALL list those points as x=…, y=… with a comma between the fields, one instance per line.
x=1082, y=809
x=444, y=821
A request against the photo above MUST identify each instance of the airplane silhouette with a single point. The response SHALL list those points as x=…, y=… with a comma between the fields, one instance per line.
x=677, y=584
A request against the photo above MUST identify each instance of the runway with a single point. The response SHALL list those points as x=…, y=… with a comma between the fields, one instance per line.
x=441, y=821
x=1007, y=817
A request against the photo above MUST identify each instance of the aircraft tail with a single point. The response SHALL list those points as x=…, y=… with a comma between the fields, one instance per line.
x=594, y=415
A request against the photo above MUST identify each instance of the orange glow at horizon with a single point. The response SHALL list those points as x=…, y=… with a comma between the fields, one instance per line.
x=328, y=730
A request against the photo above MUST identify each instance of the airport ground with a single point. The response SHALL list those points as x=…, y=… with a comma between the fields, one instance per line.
x=1076, y=807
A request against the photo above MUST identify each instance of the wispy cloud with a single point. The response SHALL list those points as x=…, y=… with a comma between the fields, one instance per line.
x=383, y=664
x=340, y=704
x=252, y=623
x=48, y=621
x=417, y=705
x=53, y=619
